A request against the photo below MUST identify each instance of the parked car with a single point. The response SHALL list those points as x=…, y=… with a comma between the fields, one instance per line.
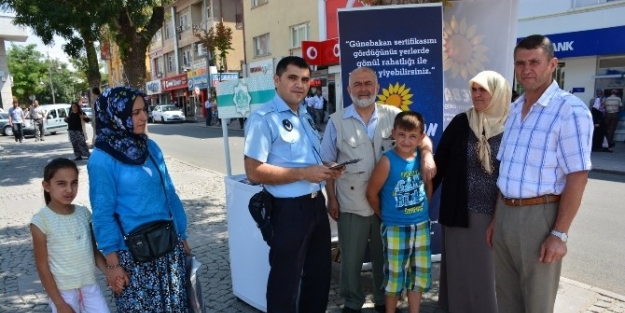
x=5, y=128
x=88, y=111
x=55, y=120
x=167, y=113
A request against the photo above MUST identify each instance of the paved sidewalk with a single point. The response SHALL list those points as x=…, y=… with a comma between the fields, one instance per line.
x=203, y=194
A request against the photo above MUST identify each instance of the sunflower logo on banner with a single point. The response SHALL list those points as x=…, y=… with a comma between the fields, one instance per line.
x=463, y=48
x=396, y=95
x=478, y=35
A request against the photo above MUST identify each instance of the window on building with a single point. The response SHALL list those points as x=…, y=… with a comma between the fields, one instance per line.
x=299, y=33
x=186, y=58
x=168, y=32
x=256, y=3
x=586, y=3
x=158, y=36
x=209, y=15
x=160, y=67
x=184, y=21
x=238, y=17
x=170, y=63
x=261, y=45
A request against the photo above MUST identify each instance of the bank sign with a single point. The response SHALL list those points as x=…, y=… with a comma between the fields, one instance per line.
x=603, y=41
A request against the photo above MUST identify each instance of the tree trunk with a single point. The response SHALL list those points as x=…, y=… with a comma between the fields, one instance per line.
x=93, y=73
x=134, y=64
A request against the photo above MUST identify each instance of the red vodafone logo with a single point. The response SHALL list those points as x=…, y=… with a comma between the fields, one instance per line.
x=312, y=53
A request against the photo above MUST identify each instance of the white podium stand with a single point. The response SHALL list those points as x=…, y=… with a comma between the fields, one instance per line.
x=249, y=253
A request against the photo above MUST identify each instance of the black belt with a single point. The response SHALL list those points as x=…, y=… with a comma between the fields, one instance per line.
x=307, y=196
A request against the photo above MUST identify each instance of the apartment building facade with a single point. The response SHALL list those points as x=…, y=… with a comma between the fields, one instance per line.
x=179, y=63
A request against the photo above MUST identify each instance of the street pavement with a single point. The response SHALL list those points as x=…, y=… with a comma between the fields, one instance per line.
x=203, y=194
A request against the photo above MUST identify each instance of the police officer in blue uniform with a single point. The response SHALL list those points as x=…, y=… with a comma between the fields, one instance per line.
x=282, y=152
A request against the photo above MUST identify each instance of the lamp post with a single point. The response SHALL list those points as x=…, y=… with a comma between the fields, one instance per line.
x=51, y=85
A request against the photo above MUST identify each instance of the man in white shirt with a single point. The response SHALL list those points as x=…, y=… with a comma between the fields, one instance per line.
x=319, y=114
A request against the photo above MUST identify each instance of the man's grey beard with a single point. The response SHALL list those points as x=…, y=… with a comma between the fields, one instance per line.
x=363, y=103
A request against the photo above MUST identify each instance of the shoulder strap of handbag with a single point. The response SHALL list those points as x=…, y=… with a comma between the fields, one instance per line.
x=164, y=190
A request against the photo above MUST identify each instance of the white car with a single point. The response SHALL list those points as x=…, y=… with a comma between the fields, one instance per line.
x=167, y=113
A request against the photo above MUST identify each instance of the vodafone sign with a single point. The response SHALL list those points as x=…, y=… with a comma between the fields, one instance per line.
x=321, y=52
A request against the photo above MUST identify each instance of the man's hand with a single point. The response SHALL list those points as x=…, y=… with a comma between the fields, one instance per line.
x=317, y=173
x=428, y=166
x=552, y=249
x=334, y=208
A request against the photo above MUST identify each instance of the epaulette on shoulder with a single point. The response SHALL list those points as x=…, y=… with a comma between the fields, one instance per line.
x=266, y=109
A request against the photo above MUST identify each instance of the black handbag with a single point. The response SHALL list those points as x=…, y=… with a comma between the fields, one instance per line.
x=153, y=239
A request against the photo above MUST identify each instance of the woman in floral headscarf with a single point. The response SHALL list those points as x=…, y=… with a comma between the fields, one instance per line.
x=468, y=169
x=127, y=190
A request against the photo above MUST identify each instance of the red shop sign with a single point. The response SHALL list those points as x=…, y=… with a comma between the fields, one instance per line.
x=174, y=82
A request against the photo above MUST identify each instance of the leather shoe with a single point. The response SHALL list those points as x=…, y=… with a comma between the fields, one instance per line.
x=349, y=310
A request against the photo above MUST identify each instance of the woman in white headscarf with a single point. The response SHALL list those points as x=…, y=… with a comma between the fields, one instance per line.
x=467, y=172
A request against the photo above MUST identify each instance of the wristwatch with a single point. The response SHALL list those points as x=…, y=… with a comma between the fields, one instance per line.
x=563, y=236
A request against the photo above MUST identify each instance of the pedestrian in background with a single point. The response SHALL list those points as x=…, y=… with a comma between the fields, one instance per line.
x=467, y=175
x=38, y=115
x=209, y=111
x=282, y=152
x=597, y=101
x=76, y=120
x=65, y=252
x=613, y=104
x=17, y=120
x=129, y=188
x=545, y=159
x=399, y=195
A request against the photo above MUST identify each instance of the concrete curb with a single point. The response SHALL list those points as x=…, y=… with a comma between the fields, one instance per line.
x=597, y=290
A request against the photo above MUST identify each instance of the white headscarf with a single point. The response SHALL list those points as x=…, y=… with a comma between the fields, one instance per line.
x=489, y=122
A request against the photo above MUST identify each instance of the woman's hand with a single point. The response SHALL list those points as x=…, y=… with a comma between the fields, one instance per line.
x=187, y=250
x=117, y=279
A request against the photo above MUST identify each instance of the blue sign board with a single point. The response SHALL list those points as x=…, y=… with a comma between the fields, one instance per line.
x=602, y=41
x=403, y=44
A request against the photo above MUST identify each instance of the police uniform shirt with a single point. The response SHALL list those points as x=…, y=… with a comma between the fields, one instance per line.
x=276, y=135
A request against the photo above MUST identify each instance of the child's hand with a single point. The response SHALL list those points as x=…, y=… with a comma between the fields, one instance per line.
x=64, y=308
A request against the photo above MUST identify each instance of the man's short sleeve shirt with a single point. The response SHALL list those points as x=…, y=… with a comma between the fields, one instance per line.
x=276, y=135
x=553, y=140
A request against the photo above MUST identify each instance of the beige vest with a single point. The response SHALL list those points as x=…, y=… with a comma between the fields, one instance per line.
x=352, y=142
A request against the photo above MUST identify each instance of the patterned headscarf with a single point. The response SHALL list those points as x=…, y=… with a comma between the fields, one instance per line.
x=114, y=127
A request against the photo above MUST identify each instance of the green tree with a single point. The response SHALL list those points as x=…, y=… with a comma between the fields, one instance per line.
x=216, y=38
x=27, y=70
x=132, y=24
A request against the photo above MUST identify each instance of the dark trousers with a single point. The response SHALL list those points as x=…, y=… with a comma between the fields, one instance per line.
x=299, y=256
x=18, y=131
x=209, y=117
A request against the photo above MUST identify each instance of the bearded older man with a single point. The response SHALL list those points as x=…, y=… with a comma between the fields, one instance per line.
x=361, y=129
